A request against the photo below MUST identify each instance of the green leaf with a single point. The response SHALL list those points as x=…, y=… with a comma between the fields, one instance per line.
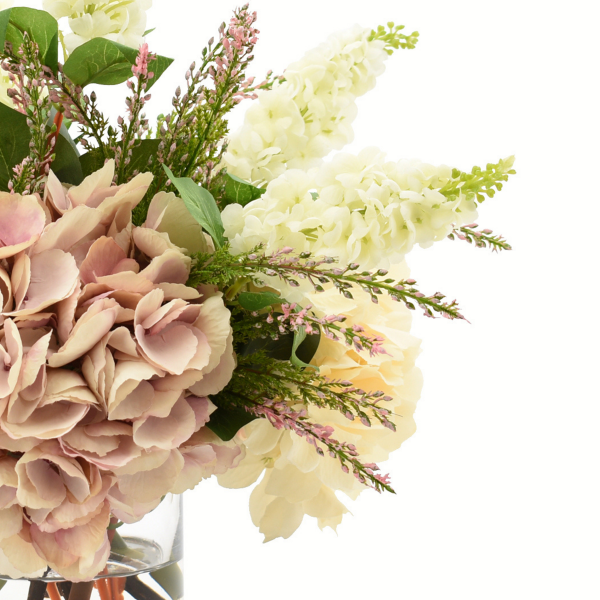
x=201, y=204
x=283, y=347
x=299, y=337
x=238, y=191
x=14, y=142
x=41, y=26
x=91, y=161
x=14, y=147
x=254, y=301
x=141, y=155
x=170, y=579
x=66, y=165
x=226, y=421
x=149, y=31
x=105, y=62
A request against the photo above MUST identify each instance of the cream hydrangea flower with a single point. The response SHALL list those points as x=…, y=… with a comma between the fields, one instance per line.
x=368, y=210
x=122, y=21
x=4, y=4
x=297, y=481
x=301, y=120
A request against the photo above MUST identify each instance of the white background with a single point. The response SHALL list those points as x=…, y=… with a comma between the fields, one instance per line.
x=498, y=490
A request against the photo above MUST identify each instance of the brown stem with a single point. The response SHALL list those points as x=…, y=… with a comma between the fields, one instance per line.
x=52, y=591
x=65, y=588
x=37, y=590
x=82, y=591
x=140, y=591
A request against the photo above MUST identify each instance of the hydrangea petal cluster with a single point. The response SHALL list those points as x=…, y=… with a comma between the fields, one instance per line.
x=122, y=22
x=368, y=210
x=302, y=119
x=108, y=357
x=297, y=481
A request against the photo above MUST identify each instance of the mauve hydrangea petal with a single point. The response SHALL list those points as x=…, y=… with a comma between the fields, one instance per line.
x=18, y=559
x=70, y=229
x=54, y=276
x=88, y=331
x=159, y=474
x=102, y=259
x=11, y=357
x=22, y=220
x=93, y=187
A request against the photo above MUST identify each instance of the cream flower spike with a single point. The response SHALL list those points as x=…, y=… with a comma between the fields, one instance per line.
x=122, y=21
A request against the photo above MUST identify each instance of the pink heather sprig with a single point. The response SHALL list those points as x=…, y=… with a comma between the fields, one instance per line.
x=292, y=268
x=295, y=317
x=311, y=388
x=138, y=125
x=480, y=239
x=30, y=97
x=79, y=108
x=282, y=416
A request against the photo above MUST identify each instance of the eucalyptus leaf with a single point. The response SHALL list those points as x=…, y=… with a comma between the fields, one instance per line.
x=254, y=301
x=238, y=191
x=201, y=205
x=106, y=62
x=227, y=420
x=41, y=27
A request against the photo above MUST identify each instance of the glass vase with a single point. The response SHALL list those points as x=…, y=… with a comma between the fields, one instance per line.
x=145, y=563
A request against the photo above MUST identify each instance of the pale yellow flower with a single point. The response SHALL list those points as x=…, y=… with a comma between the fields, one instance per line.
x=297, y=481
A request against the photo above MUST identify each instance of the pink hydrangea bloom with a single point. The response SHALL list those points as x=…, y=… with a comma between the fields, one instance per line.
x=108, y=360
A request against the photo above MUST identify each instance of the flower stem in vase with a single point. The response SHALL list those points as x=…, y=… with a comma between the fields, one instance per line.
x=82, y=591
x=37, y=590
x=103, y=589
x=140, y=591
x=64, y=587
x=53, y=592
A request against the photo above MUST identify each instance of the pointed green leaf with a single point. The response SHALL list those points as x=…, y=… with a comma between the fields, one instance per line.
x=14, y=147
x=201, y=204
x=299, y=337
x=41, y=26
x=105, y=62
x=226, y=421
x=67, y=166
x=238, y=191
x=254, y=301
x=14, y=142
x=91, y=161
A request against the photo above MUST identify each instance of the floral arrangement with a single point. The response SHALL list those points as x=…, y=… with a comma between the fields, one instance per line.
x=179, y=301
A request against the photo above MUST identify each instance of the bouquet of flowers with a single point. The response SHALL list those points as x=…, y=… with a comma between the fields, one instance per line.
x=179, y=301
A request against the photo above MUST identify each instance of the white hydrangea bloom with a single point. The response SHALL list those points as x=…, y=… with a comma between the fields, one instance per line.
x=297, y=481
x=122, y=21
x=368, y=211
x=301, y=120
x=4, y=4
